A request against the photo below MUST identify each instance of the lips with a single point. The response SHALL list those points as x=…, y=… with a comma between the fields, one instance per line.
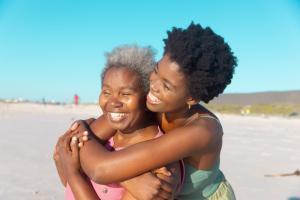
x=116, y=116
x=153, y=99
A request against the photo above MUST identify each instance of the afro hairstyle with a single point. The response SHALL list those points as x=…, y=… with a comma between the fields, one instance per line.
x=206, y=60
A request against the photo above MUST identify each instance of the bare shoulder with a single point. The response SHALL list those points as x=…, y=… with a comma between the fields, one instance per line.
x=207, y=131
x=207, y=121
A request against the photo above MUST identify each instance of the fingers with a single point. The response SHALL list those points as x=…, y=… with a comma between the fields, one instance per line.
x=80, y=144
x=74, y=147
x=79, y=130
x=163, y=171
x=74, y=126
x=164, y=195
x=83, y=137
x=165, y=183
x=65, y=142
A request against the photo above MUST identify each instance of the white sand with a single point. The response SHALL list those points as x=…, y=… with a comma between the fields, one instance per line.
x=253, y=146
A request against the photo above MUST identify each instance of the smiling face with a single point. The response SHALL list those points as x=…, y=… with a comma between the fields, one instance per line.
x=122, y=99
x=168, y=88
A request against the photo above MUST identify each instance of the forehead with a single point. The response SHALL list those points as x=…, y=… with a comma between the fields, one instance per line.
x=121, y=77
x=170, y=71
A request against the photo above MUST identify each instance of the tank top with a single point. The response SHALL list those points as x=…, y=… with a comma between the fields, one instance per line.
x=200, y=184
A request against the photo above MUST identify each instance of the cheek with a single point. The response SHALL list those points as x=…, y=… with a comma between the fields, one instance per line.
x=131, y=103
x=102, y=102
x=135, y=103
x=172, y=98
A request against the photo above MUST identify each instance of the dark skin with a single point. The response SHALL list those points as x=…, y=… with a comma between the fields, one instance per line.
x=199, y=143
x=123, y=105
x=80, y=185
x=167, y=85
x=158, y=184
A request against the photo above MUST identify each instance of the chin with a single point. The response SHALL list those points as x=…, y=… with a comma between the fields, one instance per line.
x=116, y=126
x=154, y=108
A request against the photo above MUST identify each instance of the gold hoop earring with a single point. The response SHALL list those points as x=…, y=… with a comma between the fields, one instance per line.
x=189, y=105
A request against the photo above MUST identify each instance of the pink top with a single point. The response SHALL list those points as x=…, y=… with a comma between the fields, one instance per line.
x=105, y=192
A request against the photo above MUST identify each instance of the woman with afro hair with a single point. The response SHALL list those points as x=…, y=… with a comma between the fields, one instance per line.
x=196, y=66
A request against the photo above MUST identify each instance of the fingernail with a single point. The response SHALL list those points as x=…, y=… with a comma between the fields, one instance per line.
x=74, y=126
x=74, y=138
x=80, y=144
x=85, y=138
x=85, y=133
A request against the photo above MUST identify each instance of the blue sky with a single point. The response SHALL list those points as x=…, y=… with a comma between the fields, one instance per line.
x=53, y=49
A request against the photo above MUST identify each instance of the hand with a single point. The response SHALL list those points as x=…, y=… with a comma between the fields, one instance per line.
x=81, y=130
x=172, y=175
x=60, y=168
x=67, y=149
x=71, y=130
x=148, y=186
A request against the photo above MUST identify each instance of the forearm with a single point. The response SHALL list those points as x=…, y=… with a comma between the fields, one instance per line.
x=82, y=188
x=106, y=167
x=91, y=155
x=102, y=166
x=101, y=129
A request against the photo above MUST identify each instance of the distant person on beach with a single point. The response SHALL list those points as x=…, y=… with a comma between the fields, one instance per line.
x=76, y=99
x=125, y=83
x=197, y=65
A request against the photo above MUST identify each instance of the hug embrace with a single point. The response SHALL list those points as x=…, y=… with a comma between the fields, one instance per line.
x=153, y=140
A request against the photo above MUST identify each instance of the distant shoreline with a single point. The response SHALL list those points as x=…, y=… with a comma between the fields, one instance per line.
x=94, y=108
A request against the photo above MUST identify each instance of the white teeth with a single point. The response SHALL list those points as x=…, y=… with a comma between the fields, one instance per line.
x=153, y=98
x=117, y=116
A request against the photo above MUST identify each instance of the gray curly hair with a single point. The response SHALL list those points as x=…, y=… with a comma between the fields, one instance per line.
x=138, y=59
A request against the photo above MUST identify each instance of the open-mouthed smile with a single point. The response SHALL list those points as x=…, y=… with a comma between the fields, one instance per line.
x=153, y=99
x=116, y=116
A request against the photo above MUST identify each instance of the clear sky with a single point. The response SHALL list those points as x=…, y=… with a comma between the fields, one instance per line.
x=53, y=49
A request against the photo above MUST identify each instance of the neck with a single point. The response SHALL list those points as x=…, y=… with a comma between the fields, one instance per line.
x=178, y=115
x=173, y=120
x=145, y=121
x=145, y=131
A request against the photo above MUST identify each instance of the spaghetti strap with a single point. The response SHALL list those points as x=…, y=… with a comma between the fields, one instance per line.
x=209, y=116
x=197, y=116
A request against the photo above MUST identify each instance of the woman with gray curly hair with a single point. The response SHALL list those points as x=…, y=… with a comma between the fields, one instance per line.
x=125, y=83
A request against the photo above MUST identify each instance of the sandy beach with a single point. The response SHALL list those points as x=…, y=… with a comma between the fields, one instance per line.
x=252, y=147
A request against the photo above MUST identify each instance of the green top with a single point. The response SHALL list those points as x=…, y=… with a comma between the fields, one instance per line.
x=200, y=184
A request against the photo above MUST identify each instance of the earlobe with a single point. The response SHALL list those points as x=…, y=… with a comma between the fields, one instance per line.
x=191, y=101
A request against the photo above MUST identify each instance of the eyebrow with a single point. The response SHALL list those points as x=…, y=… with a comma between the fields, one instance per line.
x=128, y=88
x=122, y=88
x=105, y=85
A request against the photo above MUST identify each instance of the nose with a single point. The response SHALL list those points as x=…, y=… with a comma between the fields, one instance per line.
x=154, y=86
x=115, y=102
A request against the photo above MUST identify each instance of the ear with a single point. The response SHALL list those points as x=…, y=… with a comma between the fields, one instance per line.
x=191, y=101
